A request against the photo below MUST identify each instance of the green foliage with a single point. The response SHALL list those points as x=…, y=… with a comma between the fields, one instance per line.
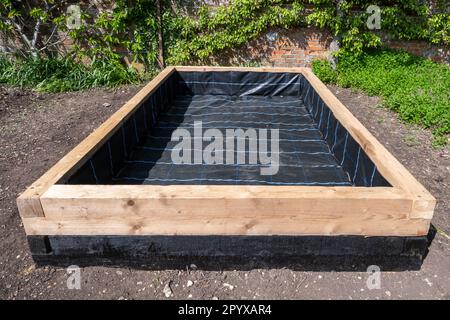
x=29, y=28
x=400, y=19
x=132, y=28
x=324, y=70
x=191, y=34
x=414, y=87
x=193, y=38
x=129, y=29
x=230, y=26
x=63, y=74
x=439, y=28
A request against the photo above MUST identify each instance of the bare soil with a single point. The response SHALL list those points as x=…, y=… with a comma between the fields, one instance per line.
x=36, y=130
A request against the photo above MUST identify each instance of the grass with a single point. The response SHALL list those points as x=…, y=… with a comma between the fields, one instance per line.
x=414, y=87
x=64, y=74
x=411, y=140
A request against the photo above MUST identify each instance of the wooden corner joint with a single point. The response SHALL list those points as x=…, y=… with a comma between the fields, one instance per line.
x=423, y=207
x=29, y=205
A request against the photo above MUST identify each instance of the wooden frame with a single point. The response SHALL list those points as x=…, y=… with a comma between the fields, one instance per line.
x=405, y=209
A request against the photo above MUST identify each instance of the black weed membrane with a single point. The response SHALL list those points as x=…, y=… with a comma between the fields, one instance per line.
x=232, y=128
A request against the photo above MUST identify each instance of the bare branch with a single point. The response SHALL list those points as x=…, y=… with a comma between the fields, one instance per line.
x=52, y=44
x=21, y=33
x=18, y=28
x=36, y=32
x=51, y=35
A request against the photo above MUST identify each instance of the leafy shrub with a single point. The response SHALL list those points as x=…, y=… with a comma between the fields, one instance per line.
x=64, y=74
x=324, y=70
x=193, y=34
x=414, y=87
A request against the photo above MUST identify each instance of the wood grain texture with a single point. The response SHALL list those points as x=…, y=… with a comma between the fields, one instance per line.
x=201, y=202
x=275, y=225
x=29, y=206
x=242, y=69
x=28, y=201
x=391, y=169
x=402, y=210
x=228, y=210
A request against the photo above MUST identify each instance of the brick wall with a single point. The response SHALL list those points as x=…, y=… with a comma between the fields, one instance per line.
x=422, y=48
x=295, y=47
x=280, y=48
x=299, y=47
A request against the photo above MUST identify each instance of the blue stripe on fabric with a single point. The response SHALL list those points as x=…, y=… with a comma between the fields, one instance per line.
x=241, y=138
x=321, y=115
x=264, y=104
x=233, y=180
x=236, y=114
x=335, y=137
x=345, y=148
x=93, y=171
x=373, y=175
x=357, y=163
x=317, y=107
x=254, y=122
x=177, y=127
x=245, y=151
x=233, y=165
x=239, y=83
x=237, y=101
x=328, y=124
x=110, y=158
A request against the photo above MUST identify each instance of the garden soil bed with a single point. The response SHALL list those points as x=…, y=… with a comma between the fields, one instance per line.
x=38, y=129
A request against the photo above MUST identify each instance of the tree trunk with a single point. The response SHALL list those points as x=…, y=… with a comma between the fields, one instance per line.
x=161, y=62
x=336, y=43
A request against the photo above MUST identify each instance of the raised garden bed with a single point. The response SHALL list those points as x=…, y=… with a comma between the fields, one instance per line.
x=336, y=184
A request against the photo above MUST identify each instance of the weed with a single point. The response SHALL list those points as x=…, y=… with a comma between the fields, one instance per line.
x=64, y=74
x=414, y=87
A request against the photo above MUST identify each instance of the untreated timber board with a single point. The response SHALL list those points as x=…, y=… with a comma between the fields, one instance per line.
x=405, y=209
x=29, y=203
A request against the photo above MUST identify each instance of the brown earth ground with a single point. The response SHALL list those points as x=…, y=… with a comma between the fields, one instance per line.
x=36, y=130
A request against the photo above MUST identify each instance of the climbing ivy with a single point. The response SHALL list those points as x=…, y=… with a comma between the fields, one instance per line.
x=131, y=26
x=231, y=26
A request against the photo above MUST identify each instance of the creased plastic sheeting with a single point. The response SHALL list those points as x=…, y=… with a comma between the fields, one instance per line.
x=239, y=83
x=347, y=151
x=110, y=158
x=315, y=149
